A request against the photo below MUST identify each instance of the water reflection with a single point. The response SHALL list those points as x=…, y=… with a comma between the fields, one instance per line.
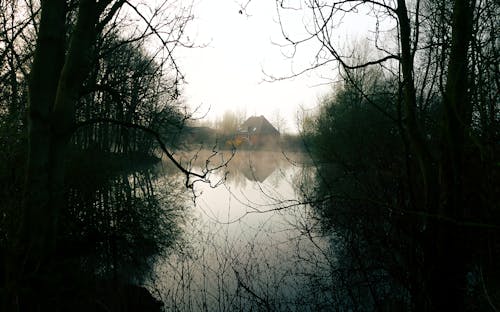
x=246, y=245
x=116, y=224
x=254, y=166
x=252, y=245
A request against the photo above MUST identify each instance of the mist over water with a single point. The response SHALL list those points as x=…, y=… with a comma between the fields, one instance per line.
x=249, y=243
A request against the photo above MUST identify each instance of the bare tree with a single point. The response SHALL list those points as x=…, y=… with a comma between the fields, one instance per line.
x=67, y=40
x=279, y=121
x=430, y=49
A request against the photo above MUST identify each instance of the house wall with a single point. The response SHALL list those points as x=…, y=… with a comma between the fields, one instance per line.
x=265, y=140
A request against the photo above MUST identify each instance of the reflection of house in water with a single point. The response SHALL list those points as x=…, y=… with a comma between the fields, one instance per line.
x=259, y=132
x=254, y=165
x=258, y=171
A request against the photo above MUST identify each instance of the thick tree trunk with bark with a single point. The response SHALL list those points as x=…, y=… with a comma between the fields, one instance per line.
x=440, y=181
x=452, y=250
x=55, y=82
x=424, y=182
x=36, y=234
x=37, y=227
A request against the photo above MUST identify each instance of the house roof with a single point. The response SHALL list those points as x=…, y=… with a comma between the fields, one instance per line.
x=259, y=125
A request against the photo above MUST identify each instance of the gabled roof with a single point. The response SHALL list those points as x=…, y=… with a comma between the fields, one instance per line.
x=258, y=125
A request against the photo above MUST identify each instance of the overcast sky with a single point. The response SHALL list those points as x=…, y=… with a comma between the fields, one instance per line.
x=228, y=73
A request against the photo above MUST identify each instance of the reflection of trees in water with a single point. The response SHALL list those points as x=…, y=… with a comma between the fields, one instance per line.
x=114, y=228
x=365, y=272
x=273, y=261
x=291, y=259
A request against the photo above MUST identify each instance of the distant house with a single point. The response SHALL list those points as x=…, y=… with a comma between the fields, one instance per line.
x=257, y=131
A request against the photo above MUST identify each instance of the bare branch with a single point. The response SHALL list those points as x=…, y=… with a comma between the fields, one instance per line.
x=110, y=14
x=188, y=173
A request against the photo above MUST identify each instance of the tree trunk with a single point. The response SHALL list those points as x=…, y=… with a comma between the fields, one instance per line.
x=54, y=87
x=37, y=228
x=445, y=257
x=424, y=184
x=452, y=250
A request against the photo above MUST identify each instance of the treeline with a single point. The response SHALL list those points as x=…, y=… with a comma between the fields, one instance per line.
x=85, y=87
x=222, y=132
x=406, y=153
x=128, y=86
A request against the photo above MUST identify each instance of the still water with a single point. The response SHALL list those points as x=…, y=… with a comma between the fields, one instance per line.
x=248, y=244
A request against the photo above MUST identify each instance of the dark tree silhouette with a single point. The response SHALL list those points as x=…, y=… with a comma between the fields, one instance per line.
x=428, y=51
x=61, y=84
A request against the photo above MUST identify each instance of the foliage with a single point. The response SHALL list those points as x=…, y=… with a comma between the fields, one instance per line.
x=360, y=164
x=70, y=73
x=119, y=226
x=127, y=85
x=437, y=205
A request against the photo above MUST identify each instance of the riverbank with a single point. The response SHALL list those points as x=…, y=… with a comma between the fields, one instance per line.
x=99, y=166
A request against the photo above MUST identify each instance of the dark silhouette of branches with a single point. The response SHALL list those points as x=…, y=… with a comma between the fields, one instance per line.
x=188, y=173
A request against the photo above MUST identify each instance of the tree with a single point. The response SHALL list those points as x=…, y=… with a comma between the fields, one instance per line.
x=67, y=35
x=429, y=49
x=359, y=162
x=279, y=121
x=129, y=85
x=230, y=122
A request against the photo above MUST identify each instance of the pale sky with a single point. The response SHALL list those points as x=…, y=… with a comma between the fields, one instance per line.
x=227, y=74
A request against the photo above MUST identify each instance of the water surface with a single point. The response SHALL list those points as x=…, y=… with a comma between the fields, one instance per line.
x=249, y=244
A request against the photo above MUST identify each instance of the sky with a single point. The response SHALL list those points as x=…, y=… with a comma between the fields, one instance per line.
x=228, y=74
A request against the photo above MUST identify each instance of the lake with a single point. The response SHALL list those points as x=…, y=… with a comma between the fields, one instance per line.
x=247, y=244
